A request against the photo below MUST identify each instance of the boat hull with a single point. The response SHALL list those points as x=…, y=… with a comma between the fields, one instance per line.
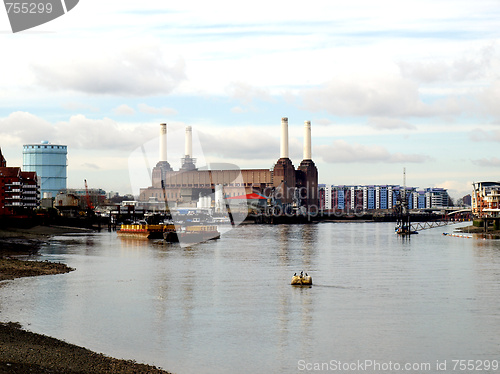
x=190, y=237
x=192, y=234
x=140, y=235
x=298, y=280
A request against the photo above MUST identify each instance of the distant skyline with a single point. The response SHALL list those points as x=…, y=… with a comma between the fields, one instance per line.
x=386, y=85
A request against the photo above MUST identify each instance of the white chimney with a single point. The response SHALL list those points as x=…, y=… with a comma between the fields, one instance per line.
x=307, y=140
x=163, y=142
x=284, y=138
x=189, y=142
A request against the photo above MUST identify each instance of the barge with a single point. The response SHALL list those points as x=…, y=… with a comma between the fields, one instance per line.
x=142, y=231
x=191, y=234
x=170, y=232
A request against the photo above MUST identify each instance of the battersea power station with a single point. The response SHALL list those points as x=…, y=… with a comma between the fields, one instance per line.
x=283, y=184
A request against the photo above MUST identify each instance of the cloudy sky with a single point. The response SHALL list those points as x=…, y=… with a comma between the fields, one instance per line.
x=387, y=85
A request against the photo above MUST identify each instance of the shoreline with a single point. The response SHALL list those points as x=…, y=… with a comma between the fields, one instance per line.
x=478, y=230
x=12, y=268
x=28, y=352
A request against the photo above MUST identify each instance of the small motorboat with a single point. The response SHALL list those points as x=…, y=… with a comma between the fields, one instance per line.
x=302, y=280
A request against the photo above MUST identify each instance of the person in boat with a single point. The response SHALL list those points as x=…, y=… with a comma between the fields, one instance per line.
x=301, y=279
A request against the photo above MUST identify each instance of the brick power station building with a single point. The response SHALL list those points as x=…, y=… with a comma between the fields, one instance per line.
x=283, y=182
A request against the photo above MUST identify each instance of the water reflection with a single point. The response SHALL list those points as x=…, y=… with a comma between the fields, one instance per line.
x=228, y=306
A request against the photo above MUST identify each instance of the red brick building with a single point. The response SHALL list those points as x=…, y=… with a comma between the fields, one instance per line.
x=19, y=191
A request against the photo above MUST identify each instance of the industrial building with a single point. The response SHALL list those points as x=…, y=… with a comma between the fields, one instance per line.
x=357, y=198
x=283, y=183
x=96, y=197
x=19, y=191
x=49, y=161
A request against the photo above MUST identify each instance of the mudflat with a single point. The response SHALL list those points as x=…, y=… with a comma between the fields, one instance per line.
x=11, y=268
x=26, y=352
x=478, y=230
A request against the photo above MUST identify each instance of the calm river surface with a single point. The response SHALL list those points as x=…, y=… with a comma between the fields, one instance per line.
x=227, y=306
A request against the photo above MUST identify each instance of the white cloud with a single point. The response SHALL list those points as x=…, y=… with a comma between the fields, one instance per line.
x=471, y=65
x=246, y=93
x=489, y=100
x=480, y=135
x=323, y=122
x=390, y=96
x=164, y=111
x=455, y=188
x=342, y=152
x=240, y=143
x=24, y=127
x=488, y=162
x=76, y=107
x=238, y=109
x=79, y=132
x=384, y=96
x=134, y=70
x=383, y=123
x=124, y=110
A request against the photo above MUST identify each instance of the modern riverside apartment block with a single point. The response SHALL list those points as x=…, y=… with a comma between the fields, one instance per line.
x=486, y=199
x=379, y=197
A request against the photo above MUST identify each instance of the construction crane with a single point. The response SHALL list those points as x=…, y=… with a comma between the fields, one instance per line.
x=90, y=207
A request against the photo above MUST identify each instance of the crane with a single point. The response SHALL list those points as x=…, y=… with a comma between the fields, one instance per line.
x=90, y=207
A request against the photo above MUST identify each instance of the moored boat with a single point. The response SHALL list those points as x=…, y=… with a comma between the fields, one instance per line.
x=142, y=231
x=191, y=234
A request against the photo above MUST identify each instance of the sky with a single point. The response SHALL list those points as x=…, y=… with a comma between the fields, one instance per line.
x=387, y=86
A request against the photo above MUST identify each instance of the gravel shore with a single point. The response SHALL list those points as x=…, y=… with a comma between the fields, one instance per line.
x=26, y=352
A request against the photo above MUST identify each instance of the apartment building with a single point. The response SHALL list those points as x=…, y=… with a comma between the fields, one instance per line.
x=486, y=199
x=19, y=190
x=379, y=197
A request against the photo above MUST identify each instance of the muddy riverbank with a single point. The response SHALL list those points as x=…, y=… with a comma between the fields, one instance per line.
x=26, y=352
x=479, y=230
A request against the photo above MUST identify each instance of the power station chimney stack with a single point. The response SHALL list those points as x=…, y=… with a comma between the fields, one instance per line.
x=163, y=142
x=189, y=142
x=307, y=174
x=188, y=162
x=284, y=171
x=284, y=138
x=307, y=140
x=159, y=172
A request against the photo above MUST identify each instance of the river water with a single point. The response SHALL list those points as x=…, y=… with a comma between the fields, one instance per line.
x=226, y=306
